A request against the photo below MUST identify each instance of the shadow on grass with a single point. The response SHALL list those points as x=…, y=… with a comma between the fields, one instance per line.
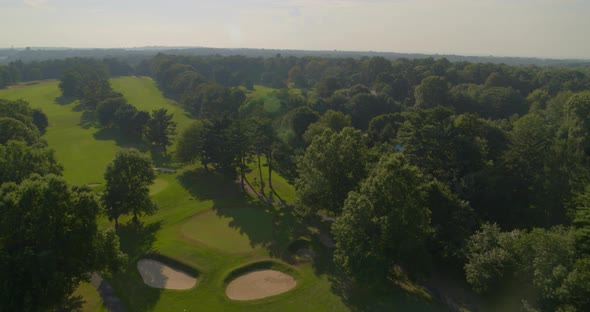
x=88, y=120
x=263, y=224
x=160, y=158
x=136, y=241
x=113, y=134
x=64, y=100
x=375, y=296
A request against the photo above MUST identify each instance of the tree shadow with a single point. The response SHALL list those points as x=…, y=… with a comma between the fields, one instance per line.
x=88, y=120
x=113, y=134
x=377, y=296
x=64, y=100
x=136, y=241
x=159, y=157
x=263, y=223
x=137, y=238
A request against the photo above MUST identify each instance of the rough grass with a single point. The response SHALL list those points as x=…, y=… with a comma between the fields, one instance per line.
x=219, y=217
x=92, y=303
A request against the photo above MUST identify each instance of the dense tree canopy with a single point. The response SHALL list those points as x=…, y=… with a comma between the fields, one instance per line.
x=386, y=223
x=331, y=167
x=49, y=243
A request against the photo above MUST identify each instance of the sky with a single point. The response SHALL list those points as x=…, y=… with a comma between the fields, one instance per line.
x=537, y=28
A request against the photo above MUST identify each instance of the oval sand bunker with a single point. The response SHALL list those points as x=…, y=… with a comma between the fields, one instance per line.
x=158, y=275
x=259, y=284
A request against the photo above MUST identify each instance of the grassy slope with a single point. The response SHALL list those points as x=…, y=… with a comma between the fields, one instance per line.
x=198, y=210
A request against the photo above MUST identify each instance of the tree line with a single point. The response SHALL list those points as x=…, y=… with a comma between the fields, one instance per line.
x=108, y=109
x=422, y=163
x=19, y=71
x=49, y=238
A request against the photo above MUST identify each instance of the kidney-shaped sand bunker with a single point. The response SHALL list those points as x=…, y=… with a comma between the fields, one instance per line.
x=259, y=284
x=158, y=275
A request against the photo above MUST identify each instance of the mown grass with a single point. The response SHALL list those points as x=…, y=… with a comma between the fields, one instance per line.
x=83, y=156
x=205, y=222
x=281, y=191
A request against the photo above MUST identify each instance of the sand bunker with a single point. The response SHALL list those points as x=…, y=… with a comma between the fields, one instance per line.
x=158, y=275
x=259, y=284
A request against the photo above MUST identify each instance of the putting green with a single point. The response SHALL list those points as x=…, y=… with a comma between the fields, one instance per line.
x=235, y=230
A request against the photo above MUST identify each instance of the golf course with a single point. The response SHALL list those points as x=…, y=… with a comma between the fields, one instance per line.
x=211, y=246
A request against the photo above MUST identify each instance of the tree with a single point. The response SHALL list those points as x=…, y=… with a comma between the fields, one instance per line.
x=433, y=91
x=452, y=221
x=488, y=255
x=323, y=182
x=12, y=129
x=211, y=100
x=128, y=179
x=40, y=120
x=297, y=77
x=191, y=144
x=383, y=128
x=105, y=111
x=326, y=86
x=300, y=118
x=364, y=106
x=332, y=120
x=545, y=259
x=18, y=161
x=69, y=84
x=385, y=226
x=262, y=137
x=130, y=121
x=50, y=243
x=160, y=128
x=356, y=254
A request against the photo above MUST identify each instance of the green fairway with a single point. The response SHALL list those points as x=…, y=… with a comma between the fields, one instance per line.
x=281, y=190
x=143, y=93
x=265, y=96
x=85, y=152
x=83, y=156
x=205, y=222
x=211, y=229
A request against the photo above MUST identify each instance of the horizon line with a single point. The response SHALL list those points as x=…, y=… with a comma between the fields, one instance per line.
x=299, y=50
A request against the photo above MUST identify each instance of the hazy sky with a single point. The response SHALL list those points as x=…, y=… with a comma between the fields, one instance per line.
x=544, y=28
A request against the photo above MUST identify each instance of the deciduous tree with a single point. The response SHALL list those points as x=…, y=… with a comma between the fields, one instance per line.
x=128, y=179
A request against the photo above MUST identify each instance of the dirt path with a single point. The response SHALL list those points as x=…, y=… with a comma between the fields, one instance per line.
x=107, y=293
